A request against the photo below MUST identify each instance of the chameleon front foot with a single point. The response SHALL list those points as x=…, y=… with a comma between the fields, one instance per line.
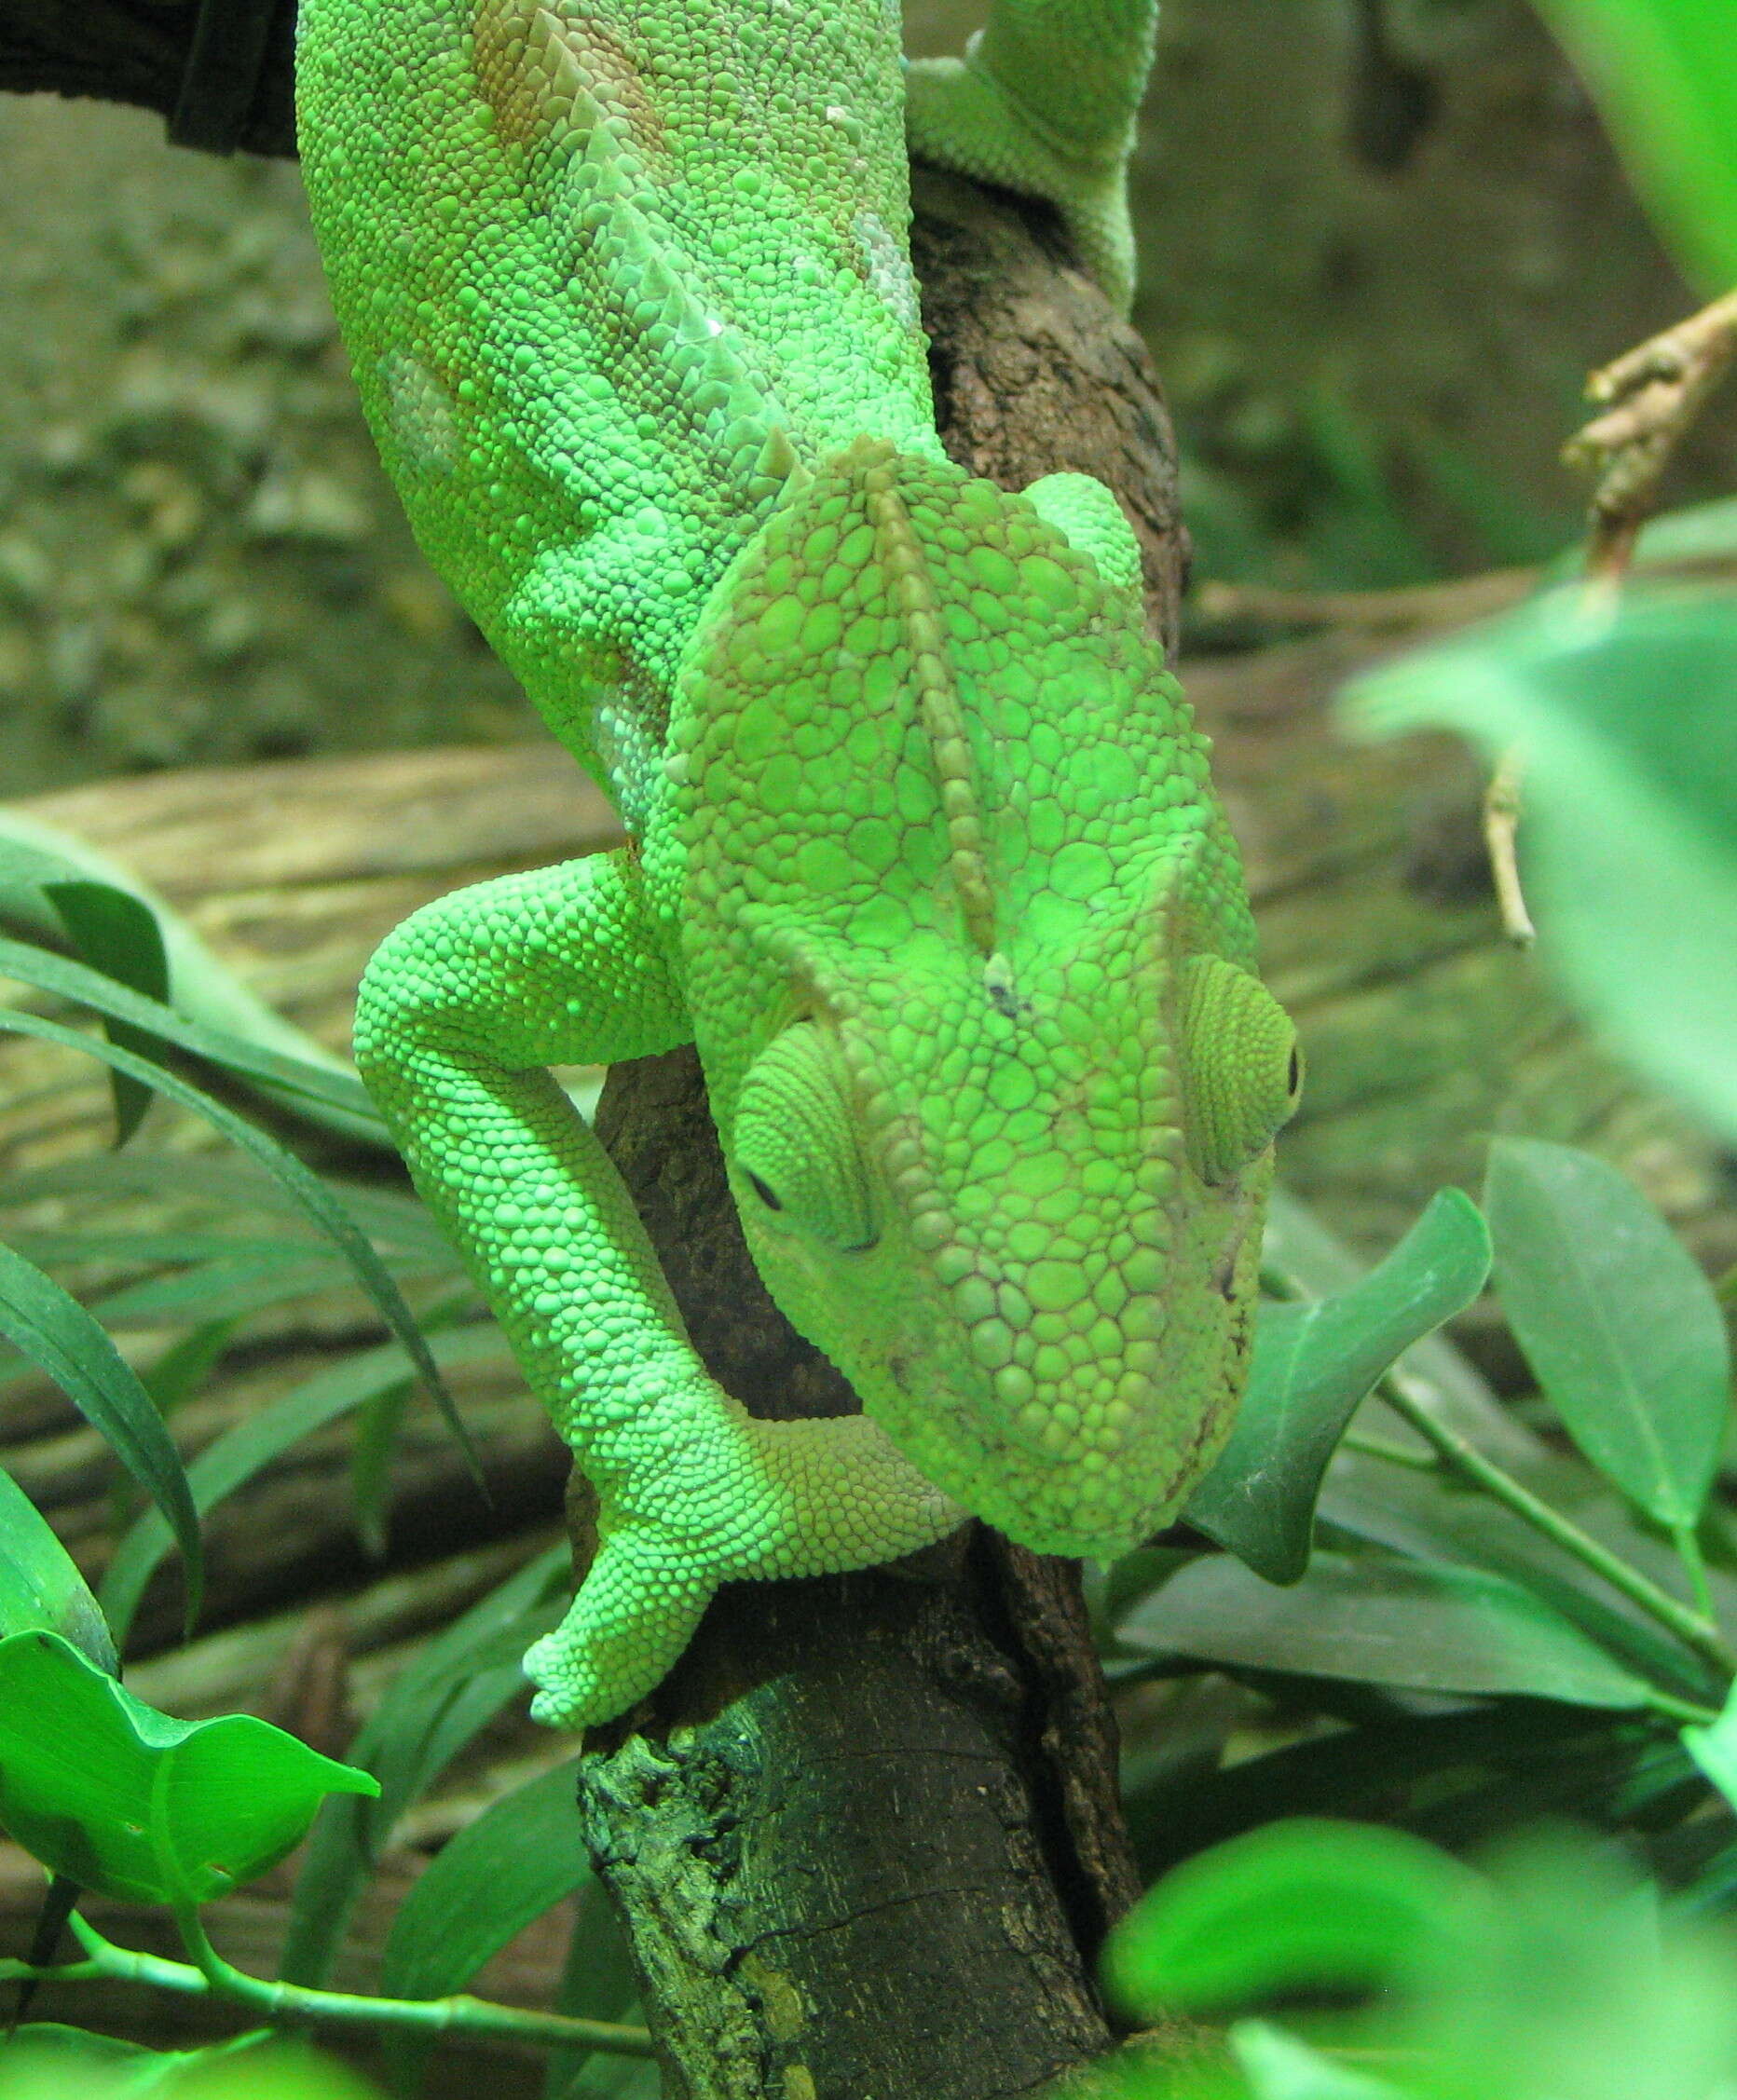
x=634, y=1612
x=753, y=1501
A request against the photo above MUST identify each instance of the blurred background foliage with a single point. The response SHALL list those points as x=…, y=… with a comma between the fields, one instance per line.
x=1383, y=241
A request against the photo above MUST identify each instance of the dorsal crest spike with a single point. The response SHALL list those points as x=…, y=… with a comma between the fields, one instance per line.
x=913, y=593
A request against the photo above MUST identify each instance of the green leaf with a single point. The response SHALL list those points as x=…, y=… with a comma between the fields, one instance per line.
x=45, y=2061
x=1618, y=1324
x=520, y=1858
x=1278, y=2066
x=1300, y=1904
x=1313, y=1365
x=117, y=934
x=1630, y=831
x=310, y=1194
x=340, y=1097
x=59, y=1336
x=455, y=1685
x=1373, y=1618
x=39, y=1584
x=1663, y=74
x=119, y=1797
x=598, y=1981
x=1713, y=1749
x=1300, y=1258
x=233, y=1458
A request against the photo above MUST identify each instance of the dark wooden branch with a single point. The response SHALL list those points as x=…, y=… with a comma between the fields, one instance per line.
x=217, y=70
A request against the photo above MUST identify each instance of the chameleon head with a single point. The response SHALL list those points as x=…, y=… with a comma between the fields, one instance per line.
x=969, y=960
x=1023, y=1217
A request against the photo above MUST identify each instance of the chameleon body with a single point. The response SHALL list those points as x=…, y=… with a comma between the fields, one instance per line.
x=925, y=857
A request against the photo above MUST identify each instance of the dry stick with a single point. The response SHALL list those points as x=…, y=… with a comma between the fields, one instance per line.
x=1650, y=397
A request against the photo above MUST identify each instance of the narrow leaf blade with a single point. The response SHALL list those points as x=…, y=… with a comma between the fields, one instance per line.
x=59, y=1336
x=519, y=1859
x=310, y=1194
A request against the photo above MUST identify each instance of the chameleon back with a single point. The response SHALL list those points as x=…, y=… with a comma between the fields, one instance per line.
x=603, y=276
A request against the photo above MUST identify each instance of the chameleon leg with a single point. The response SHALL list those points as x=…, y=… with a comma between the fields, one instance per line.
x=1043, y=102
x=460, y=1011
x=1088, y=517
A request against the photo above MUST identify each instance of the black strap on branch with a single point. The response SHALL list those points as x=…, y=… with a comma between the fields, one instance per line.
x=222, y=72
x=238, y=86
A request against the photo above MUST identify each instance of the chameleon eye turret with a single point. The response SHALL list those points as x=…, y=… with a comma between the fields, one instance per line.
x=1244, y=1063
x=794, y=1144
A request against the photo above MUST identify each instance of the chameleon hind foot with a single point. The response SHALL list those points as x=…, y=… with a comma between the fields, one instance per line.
x=1043, y=102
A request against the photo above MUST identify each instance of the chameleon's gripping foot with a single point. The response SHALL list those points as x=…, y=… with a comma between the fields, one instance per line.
x=1043, y=102
x=636, y=1612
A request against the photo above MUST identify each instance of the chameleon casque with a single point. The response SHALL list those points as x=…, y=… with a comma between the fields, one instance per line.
x=924, y=854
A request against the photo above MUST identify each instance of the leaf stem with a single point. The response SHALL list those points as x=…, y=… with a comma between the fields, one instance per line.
x=209, y=1973
x=1675, y=1709
x=1395, y=1454
x=1695, y=1629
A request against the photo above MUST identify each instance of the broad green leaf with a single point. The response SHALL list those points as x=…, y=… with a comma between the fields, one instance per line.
x=1629, y=836
x=437, y=1703
x=1278, y=2066
x=49, y=2062
x=523, y=1855
x=1663, y=74
x=1305, y=1903
x=1373, y=1618
x=119, y=1797
x=309, y=1192
x=598, y=1981
x=59, y=1336
x=39, y=1585
x=1313, y=1365
x=1300, y=1258
x=1433, y=1514
x=328, y=1094
x=1714, y=1749
x=1618, y=1324
x=116, y=934
x=233, y=1458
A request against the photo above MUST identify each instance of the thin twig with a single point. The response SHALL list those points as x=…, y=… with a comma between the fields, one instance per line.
x=1502, y=824
x=1650, y=397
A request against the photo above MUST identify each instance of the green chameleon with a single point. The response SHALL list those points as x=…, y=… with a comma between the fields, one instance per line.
x=924, y=854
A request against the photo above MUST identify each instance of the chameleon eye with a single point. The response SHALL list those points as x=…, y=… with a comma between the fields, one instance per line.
x=760, y=1190
x=1243, y=1068
x=794, y=1144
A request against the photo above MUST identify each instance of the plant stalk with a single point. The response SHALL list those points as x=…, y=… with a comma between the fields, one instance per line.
x=209, y=1973
x=1695, y=1630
